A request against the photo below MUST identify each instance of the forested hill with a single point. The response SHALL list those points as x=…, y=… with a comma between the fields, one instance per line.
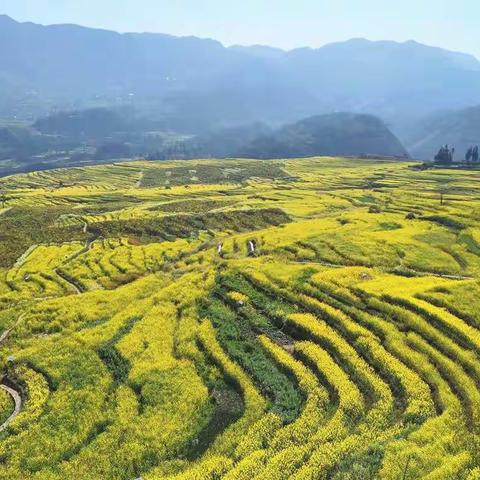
x=338, y=134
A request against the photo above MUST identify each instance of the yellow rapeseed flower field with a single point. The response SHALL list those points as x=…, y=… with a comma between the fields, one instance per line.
x=224, y=319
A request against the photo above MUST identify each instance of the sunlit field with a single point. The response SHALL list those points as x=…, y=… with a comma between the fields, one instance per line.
x=302, y=319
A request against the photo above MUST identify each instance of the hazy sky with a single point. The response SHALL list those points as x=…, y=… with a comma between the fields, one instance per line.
x=284, y=23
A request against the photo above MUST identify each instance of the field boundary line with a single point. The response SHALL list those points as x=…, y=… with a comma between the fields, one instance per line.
x=414, y=272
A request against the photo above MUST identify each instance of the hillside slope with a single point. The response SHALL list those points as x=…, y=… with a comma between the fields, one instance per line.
x=460, y=128
x=338, y=134
x=228, y=320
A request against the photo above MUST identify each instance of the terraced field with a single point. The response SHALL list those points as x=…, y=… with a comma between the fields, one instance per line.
x=304, y=319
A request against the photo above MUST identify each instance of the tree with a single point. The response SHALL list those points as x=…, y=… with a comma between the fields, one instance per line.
x=445, y=155
x=469, y=154
x=475, y=154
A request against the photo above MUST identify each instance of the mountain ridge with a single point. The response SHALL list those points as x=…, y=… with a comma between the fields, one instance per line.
x=363, y=40
x=193, y=85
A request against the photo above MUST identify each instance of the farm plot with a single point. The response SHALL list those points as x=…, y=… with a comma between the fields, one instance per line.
x=301, y=319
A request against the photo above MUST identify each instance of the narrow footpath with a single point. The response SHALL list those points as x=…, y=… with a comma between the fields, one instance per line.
x=18, y=405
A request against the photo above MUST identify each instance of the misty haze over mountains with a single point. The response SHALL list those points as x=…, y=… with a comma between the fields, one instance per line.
x=193, y=86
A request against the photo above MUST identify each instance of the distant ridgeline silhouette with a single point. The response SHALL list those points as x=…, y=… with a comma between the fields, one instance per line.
x=193, y=85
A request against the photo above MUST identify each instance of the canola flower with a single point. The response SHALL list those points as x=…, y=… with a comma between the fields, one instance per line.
x=359, y=303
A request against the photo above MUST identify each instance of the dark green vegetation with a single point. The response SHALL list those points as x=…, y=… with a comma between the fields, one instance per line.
x=117, y=365
x=208, y=174
x=339, y=134
x=185, y=226
x=22, y=227
x=195, y=206
x=236, y=325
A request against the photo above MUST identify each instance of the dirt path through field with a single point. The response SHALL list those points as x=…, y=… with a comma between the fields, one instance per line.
x=18, y=405
x=7, y=332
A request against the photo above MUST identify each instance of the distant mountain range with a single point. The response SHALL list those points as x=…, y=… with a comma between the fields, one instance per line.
x=193, y=85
